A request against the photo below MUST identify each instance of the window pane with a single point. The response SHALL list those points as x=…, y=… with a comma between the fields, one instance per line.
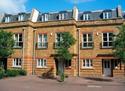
x=110, y=44
x=90, y=44
x=104, y=35
x=44, y=62
x=105, y=43
x=89, y=37
x=84, y=44
x=84, y=37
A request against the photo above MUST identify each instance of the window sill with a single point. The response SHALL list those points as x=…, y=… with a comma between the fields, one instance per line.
x=87, y=68
x=41, y=48
x=17, y=47
x=41, y=67
x=16, y=66
x=86, y=48
x=106, y=47
x=67, y=68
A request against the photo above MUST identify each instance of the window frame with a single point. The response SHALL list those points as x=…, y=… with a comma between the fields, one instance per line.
x=87, y=40
x=39, y=61
x=7, y=19
x=86, y=64
x=108, y=41
x=57, y=43
x=21, y=17
x=16, y=62
x=18, y=40
x=86, y=17
x=43, y=41
x=106, y=15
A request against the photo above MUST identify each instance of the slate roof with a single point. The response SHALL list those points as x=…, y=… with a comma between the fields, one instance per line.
x=94, y=15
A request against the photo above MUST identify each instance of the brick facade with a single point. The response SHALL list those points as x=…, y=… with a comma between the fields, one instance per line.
x=29, y=53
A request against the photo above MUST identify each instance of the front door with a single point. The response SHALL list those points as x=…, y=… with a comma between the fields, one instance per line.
x=3, y=63
x=107, y=67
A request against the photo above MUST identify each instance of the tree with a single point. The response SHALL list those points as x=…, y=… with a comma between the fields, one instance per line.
x=119, y=45
x=6, y=44
x=63, y=53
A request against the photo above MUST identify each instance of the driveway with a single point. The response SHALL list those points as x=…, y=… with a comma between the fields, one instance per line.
x=34, y=83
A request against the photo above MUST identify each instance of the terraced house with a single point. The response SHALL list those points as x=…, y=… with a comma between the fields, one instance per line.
x=37, y=36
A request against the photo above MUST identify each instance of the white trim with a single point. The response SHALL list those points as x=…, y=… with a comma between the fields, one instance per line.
x=84, y=62
x=41, y=64
x=20, y=17
x=17, y=41
x=87, y=40
x=86, y=16
x=7, y=19
x=105, y=15
x=15, y=60
x=42, y=40
x=107, y=33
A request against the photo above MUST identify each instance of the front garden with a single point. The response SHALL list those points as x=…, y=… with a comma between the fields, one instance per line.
x=11, y=72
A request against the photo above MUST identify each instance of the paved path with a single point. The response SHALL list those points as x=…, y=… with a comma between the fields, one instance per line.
x=33, y=83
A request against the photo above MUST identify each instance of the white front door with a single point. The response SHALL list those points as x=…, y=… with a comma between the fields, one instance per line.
x=107, y=67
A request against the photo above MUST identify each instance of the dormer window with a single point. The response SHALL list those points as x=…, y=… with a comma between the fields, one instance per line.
x=7, y=19
x=106, y=15
x=86, y=17
x=20, y=17
x=61, y=16
x=46, y=17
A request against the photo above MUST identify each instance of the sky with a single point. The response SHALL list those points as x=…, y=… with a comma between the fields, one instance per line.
x=16, y=6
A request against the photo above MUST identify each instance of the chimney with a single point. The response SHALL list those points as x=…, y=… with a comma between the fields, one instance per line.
x=119, y=11
x=34, y=15
x=75, y=13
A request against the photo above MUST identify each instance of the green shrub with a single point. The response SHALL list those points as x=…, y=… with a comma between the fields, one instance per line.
x=22, y=72
x=12, y=72
x=1, y=73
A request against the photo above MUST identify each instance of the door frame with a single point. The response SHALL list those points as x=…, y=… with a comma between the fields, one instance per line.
x=108, y=64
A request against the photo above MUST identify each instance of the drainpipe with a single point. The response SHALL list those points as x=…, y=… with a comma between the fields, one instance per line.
x=23, y=47
x=78, y=29
x=34, y=46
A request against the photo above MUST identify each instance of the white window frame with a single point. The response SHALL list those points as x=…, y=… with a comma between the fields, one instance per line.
x=86, y=16
x=87, y=40
x=17, y=62
x=61, y=16
x=17, y=41
x=105, y=15
x=86, y=64
x=20, y=17
x=107, y=40
x=56, y=39
x=42, y=41
x=46, y=16
x=41, y=64
x=7, y=19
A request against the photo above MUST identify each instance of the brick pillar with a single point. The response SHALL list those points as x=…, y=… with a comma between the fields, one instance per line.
x=28, y=50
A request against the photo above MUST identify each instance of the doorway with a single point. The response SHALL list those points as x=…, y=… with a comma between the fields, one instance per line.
x=3, y=63
x=107, y=67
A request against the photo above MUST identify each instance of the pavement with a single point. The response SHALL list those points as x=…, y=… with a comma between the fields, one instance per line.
x=34, y=83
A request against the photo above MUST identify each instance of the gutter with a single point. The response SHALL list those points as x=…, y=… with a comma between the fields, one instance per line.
x=78, y=29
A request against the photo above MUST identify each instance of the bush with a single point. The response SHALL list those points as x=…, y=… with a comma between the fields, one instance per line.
x=22, y=72
x=12, y=72
x=1, y=73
